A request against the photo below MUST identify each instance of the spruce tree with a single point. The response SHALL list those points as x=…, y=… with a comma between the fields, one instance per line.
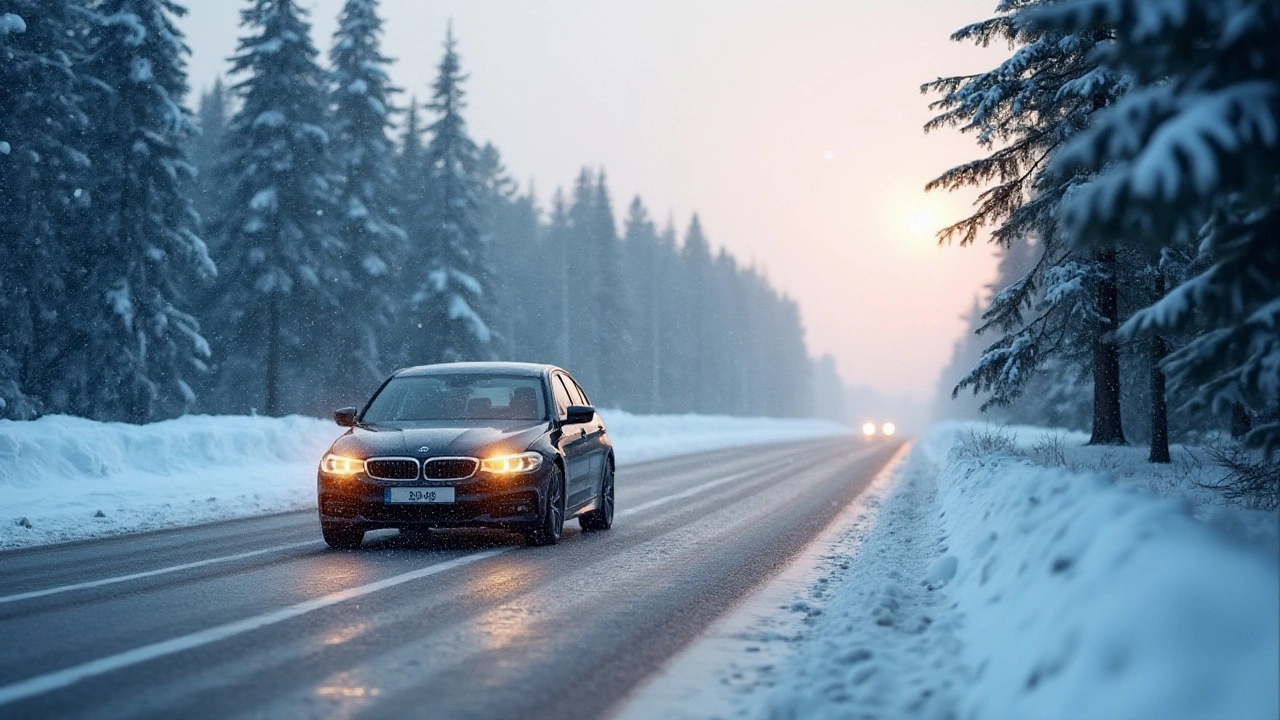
x=642, y=250
x=141, y=255
x=611, y=334
x=43, y=172
x=514, y=257
x=694, y=321
x=451, y=298
x=372, y=243
x=206, y=150
x=280, y=263
x=1191, y=156
x=411, y=211
x=558, y=247
x=582, y=263
x=1023, y=111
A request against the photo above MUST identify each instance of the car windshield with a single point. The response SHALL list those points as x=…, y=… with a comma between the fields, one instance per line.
x=427, y=398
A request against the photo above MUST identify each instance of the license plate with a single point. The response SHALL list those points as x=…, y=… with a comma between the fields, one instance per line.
x=418, y=496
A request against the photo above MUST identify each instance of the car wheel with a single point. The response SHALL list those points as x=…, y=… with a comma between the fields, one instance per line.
x=552, y=525
x=341, y=536
x=602, y=517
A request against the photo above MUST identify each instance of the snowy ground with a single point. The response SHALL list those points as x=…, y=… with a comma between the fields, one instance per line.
x=64, y=478
x=979, y=583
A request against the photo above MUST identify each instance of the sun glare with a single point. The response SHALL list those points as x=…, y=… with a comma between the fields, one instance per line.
x=922, y=222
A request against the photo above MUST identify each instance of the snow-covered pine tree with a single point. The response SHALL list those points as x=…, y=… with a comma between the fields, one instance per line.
x=1192, y=154
x=583, y=263
x=611, y=334
x=206, y=150
x=141, y=256
x=372, y=241
x=514, y=256
x=557, y=245
x=450, y=298
x=42, y=171
x=278, y=253
x=643, y=261
x=1023, y=111
x=694, y=325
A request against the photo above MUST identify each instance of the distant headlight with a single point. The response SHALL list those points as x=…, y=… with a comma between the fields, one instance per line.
x=509, y=464
x=888, y=429
x=341, y=465
x=869, y=429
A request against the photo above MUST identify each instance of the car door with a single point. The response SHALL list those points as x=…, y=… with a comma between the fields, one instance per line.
x=597, y=447
x=573, y=443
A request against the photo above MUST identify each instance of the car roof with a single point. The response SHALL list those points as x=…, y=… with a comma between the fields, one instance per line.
x=481, y=368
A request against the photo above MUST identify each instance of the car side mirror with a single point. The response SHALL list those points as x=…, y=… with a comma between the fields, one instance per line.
x=578, y=414
x=346, y=417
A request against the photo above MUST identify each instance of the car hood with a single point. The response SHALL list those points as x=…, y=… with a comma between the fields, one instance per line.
x=467, y=441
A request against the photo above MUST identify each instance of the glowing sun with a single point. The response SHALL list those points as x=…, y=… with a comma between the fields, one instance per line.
x=922, y=222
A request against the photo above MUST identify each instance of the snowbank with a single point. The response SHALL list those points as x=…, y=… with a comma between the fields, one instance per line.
x=638, y=438
x=64, y=478
x=991, y=587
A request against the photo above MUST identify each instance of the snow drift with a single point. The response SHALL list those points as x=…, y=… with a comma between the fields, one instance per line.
x=65, y=478
x=993, y=588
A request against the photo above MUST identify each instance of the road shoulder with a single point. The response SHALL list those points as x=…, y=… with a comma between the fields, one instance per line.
x=744, y=663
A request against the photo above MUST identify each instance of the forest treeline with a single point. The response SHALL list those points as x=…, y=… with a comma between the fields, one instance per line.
x=306, y=231
x=1131, y=180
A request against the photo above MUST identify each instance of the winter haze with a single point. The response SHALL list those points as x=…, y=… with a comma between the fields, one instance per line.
x=793, y=128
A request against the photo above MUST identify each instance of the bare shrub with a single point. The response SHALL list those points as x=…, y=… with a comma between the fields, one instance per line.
x=1105, y=463
x=1050, y=451
x=981, y=444
x=1249, y=478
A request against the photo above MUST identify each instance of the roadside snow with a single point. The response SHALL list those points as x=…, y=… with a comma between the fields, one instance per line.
x=991, y=587
x=65, y=478
x=638, y=438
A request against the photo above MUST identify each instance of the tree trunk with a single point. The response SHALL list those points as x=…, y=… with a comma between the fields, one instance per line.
x=1107, y=429
x=273, y=355
x=1241, y=422
x=1159, y=404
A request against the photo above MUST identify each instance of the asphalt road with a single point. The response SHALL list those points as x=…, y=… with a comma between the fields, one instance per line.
x=258, y=619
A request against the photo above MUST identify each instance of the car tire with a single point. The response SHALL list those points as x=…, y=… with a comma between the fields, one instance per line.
x=552, y=525
x=341, y=536
x=602, y=517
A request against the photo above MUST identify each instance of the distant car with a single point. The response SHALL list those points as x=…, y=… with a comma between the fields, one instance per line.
x=870, y=430
x=494, y=445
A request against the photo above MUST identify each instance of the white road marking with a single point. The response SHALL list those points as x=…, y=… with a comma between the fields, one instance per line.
x=687, y=493
x=151, y=573
x=62, y=678
x=69, y=676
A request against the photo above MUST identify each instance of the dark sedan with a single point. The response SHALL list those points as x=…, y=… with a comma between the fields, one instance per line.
x=515, y=446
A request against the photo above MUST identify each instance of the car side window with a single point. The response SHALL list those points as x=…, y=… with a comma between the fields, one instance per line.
x=562, y=396
x=575, y=392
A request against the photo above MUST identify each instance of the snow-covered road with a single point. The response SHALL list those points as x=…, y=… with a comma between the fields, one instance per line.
x=256, y=618
x=64, y=478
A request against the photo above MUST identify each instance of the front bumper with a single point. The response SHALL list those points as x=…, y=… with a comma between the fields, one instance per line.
x=512, y=501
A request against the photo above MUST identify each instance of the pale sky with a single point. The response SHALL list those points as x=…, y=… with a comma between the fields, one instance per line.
x=791, y=126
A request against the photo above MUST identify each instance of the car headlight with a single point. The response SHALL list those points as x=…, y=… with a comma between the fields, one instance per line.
x=341, y=464
x=510, y=464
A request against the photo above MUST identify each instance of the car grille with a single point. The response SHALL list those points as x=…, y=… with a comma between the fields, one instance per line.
x=450, y=468
x=392, y=468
